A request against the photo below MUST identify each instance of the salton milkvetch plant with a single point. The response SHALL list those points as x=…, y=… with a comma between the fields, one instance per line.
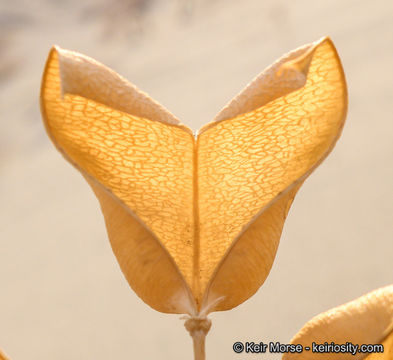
x=195, y=219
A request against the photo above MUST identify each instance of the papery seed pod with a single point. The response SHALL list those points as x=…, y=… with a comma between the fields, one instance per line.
x=195, y=220
x=367, y=320
x=2, y=356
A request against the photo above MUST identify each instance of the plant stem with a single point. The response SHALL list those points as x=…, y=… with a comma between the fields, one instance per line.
x=199, y=345
x=198, y=328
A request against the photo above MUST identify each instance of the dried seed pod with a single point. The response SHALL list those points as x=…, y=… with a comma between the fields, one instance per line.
x=366, y=320
x=195, y=220
x=2, y=356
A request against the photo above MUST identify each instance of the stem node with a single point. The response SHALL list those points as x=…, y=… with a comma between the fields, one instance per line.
x=198, y=327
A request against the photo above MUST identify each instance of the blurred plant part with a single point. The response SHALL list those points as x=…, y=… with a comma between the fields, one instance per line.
x=130, y=16
x=136, y=17
x=8, y=64
x=366, y=320
x=2, y=356
x=11, y=23
x=195, y=219
x=187, y=9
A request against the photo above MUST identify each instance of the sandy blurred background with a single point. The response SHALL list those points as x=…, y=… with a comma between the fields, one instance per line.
x=62, y=294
